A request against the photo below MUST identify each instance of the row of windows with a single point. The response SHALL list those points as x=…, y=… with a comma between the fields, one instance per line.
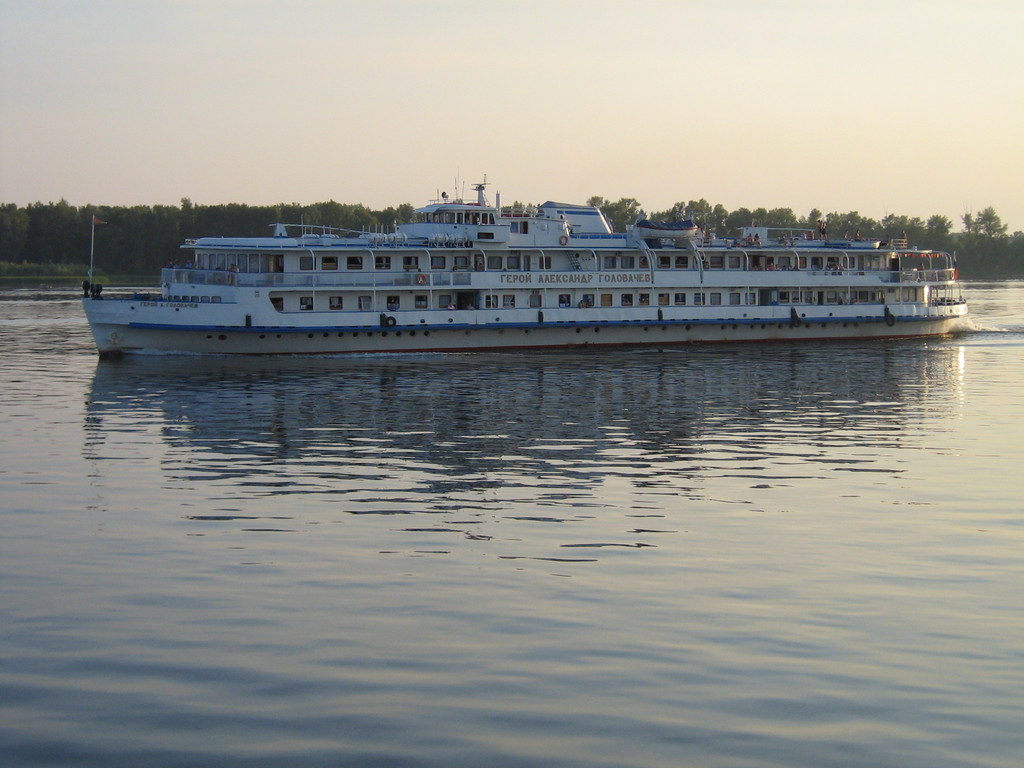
x=565, y=300
x=508, y=300
x=265, y=262
x=461, y=217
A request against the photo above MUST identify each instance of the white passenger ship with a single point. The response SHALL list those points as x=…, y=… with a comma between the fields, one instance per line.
x=473, y=276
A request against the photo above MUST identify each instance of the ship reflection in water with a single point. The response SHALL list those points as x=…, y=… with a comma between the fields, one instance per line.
x=568, y=430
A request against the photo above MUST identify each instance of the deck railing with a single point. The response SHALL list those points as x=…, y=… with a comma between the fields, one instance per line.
x=425, y=280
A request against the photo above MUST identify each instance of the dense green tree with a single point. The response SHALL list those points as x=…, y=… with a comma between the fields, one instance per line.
x=938, y=228
x=989, y=224
x=14, y=224
x=620, y=214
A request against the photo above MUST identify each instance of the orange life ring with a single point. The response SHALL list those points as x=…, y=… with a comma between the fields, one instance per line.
x=421, y=279
x=563, y=240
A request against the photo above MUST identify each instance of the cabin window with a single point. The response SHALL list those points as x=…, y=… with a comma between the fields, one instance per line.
x=494, y=262
x=365, y=303
x=606, y=300
x=277, y=303
x=381, y=263
x=254, y=262
x=514, y=227
x=420, y=301
x=734, y=262
x=645, y=299
x=664, y=262
x=490, y=302
x=437, y=262
x=536, y=300
x=461, y=262
x=305, y=262
x=513, y=261
x=354, y=262
x=626, y=300
x=410, y=262
x=564, y=299
x=544, y=262
x=334, y=302
x=444, y=301
x=717, y=262
x=679, y=299
x=587, y=300
x=784, y=297
x=393, y=303
x=698, y=299
x=663, y=300
x=716, y=299
x=682, y=262
x=329, y=263
x=735, y=298
x=508, y=301
x=609, y=262
x=628, y=262
x=305, y=303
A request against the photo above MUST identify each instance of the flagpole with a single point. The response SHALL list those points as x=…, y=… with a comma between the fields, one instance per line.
x=92, y=245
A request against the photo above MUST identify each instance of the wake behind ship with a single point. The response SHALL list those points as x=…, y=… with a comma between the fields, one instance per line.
x=468, y=275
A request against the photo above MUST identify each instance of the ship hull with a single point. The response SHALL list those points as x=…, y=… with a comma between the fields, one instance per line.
x=118, y=338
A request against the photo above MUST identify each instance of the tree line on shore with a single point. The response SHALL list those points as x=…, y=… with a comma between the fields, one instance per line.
x=53, y=239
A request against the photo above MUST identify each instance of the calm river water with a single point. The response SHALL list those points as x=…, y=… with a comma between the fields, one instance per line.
x=777, y=555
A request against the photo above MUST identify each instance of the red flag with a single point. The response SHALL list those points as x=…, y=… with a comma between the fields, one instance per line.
x=96, y=220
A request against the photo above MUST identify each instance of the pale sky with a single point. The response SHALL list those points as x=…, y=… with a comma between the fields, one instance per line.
x=876, y=106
